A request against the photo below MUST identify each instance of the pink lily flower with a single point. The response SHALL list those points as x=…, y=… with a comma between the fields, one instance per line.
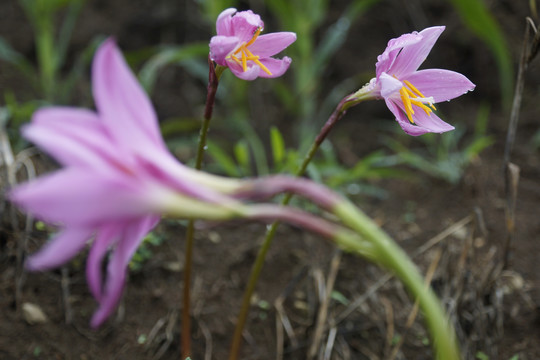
x=117, y=178
x=409, y=93
x=239, y=46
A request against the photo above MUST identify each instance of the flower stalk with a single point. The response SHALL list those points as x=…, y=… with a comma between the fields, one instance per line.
x=393, y=258
x=214, y=73
x=337, y=114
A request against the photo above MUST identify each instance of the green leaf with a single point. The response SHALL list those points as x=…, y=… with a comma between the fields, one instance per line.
x=479, y=20
x=241, y=153
x=223, y=159
x=168, y=56
x=278, y=146
x=10, y=55
x=480, y=355
x=336, y=35
x=339, y=297
x=212, y=8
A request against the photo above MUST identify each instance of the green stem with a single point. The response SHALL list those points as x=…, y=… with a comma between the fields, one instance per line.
x=391, y=256
x=46, y=55
x=338, y=113
x=213, y=81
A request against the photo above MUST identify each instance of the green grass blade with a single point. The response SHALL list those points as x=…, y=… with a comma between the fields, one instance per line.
x=479, y=20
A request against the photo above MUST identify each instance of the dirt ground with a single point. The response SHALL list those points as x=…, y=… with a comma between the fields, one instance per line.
x=496, y=312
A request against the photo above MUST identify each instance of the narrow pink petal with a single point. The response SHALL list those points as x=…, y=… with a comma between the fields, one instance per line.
x=403, y=121
x=244, y=24
x=105, y=238
x=389, y=85
x=131, y=237
x=75, y=196
x=432, y=123
x=167, y=171
x=388, y=57
x=59, y=250
x=74, y=137
x=413, y=55
x=223, y=23
x=221, y=47
x=423, y=123
x=122, y=104
x=277, y=67
x=441, y=84
x=271, y=44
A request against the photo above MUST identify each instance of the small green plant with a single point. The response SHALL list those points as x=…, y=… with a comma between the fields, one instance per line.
x=144, y=251
x=326, y=168
x=480, y=355
x=445, y=156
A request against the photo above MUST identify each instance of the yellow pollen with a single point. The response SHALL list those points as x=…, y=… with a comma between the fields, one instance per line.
x=408, y=94
x=247, y=55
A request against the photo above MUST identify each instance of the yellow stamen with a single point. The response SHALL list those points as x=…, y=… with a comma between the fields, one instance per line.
x=422, y=106
x=417, y=92
x=413, y=88
x=410, y=96
x=244, y=61
x=247, y=55
x=407, y=104
x=255, y=36
x=236, y=59
x=255, y=59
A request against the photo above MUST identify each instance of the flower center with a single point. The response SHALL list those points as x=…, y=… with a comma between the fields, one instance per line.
x=412, y=96
x=242, y=55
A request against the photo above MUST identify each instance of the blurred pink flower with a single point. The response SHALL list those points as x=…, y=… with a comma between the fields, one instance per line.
x=118, y=177
x=239, y=47
x=410, y=93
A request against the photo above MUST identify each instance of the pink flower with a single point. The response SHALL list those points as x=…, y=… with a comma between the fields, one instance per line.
x=117, y=178
x=239, y=47
x=409, y=93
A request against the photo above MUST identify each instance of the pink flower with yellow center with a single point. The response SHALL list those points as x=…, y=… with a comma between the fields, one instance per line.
x=409, y=93
x=239, y=46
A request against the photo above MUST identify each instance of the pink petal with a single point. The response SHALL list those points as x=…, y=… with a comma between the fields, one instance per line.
x=251, y=73
x=388, y=57
x=59, y=250
x=223, y=23
x=75, y=196
x=131, y=237
x=221, y=47
x=74, y=137
x=277, y=67
x=105, y=238
x=244, y=24
x=271, y=44
x=413, y=55
x=122, y=104
x=440, y=84
x=168, y=172
x=432, y=123
x=423, y=123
